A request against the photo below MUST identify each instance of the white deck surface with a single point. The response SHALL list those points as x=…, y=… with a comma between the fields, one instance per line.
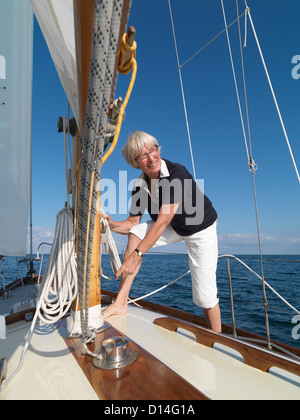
x=51, y=372
x=219, y=373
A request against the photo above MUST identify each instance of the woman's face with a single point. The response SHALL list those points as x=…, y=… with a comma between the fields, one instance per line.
x=149, y=161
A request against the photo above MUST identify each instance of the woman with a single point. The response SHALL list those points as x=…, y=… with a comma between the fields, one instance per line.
x=179, y=211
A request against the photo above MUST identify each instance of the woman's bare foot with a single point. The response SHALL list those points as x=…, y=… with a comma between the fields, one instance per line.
x=115, y=309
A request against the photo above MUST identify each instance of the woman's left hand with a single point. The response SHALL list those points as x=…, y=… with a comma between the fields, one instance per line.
x=130, y=265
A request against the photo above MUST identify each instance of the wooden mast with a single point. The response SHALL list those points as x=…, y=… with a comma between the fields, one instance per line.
x=84, y=22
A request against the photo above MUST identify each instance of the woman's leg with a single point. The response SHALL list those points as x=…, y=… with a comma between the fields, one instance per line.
x=213, y=318
x=136, y=235
x=202, y=248
x=119, y=307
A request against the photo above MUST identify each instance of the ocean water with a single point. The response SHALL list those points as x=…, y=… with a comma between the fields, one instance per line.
x=282, y=272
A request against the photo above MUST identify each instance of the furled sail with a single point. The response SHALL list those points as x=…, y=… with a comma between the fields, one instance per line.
x=16, y=51
x=56, y=20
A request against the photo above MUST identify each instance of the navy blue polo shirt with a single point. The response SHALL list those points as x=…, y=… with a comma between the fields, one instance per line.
x=175, y=185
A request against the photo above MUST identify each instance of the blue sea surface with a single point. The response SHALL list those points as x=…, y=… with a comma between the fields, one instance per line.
x=282, y=272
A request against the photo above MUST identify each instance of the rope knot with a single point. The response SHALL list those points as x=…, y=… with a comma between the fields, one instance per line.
x=125, y=68
x=127, y=46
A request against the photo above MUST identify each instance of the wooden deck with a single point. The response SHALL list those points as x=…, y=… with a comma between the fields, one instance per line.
x=146, y=379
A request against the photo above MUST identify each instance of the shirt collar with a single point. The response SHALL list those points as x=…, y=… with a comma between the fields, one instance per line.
x=164, y=172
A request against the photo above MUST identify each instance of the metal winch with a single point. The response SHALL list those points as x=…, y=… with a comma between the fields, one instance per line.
x=115, y=354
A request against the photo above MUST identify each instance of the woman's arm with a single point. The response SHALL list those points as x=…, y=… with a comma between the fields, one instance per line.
x=123, y=227
x=165, y=216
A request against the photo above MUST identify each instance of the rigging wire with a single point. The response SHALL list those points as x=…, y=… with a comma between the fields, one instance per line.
x=212, y=40
x=273, y=94
x=263, y=280
x=182, y=91
x=236, y=85
x=244, y=79
x=295, y=310
x=251, y=164
x=251, y=168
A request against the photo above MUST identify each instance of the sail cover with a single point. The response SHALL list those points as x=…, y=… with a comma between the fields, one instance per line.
x=56, y=20
x=16, y=47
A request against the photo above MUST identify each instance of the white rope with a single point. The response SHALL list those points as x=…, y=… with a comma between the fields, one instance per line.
x=90, y=339
x=59, y=286
x=60, y=278
x=110, y=247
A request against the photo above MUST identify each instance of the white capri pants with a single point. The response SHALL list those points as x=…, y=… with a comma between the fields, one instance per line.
x=202, y=249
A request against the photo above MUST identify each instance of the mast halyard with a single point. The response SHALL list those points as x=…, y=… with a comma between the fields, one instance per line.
x=88, y=219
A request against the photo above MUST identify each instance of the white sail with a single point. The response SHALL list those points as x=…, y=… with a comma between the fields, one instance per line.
x=56, y=20
x=16, y=50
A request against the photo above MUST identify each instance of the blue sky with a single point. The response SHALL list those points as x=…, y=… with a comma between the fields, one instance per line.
x=216, y=133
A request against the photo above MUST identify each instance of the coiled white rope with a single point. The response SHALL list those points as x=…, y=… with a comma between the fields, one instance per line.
x=60, y=278
x=59, y=285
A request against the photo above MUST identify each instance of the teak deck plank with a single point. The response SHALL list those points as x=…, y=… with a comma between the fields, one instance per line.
x=146, y=379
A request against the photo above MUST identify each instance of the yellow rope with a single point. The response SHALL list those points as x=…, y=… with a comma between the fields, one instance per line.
x=132, y=65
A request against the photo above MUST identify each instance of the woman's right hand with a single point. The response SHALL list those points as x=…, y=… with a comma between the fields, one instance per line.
x=107, y=217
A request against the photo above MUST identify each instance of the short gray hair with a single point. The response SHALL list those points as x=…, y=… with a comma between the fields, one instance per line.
x=136, y=142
